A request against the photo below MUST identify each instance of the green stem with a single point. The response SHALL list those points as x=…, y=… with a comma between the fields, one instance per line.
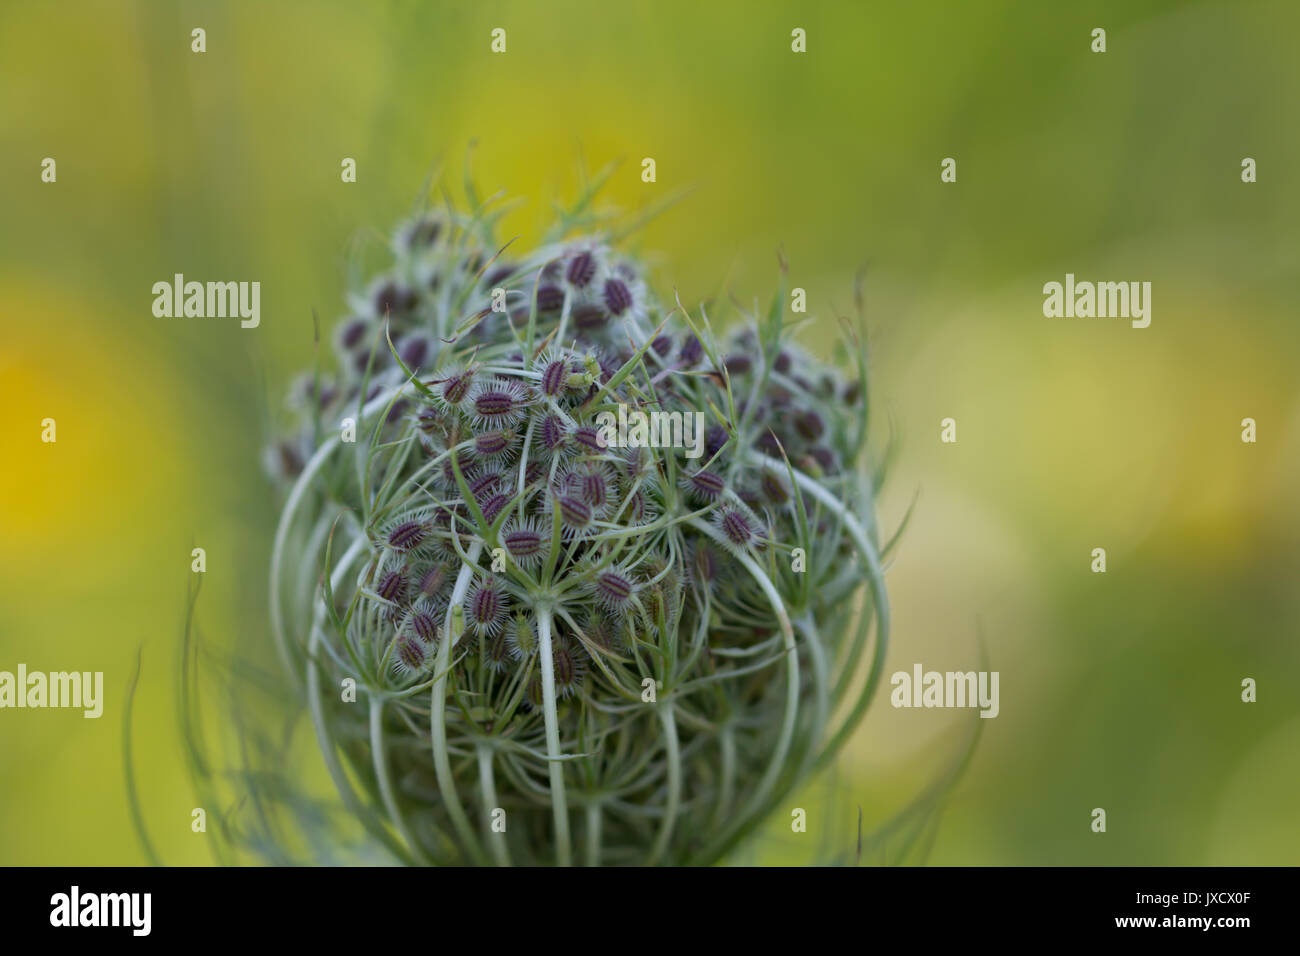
x=287, y=514
x=876, y=580
x=487, y=786
x=381, y=771
x=563, y=851
x=760, y=793
x=727, y=787
x=594, y=818
x=329, y=753
x=438, y=707
x=669, y=721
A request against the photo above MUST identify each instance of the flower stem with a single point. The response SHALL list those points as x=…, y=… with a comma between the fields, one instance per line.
x=876, y=580
x=594, y=816
x=563, y=851
x=667, y=717
x=438, y=708
x=760, y=793
x=487, y=786
x=381, y=771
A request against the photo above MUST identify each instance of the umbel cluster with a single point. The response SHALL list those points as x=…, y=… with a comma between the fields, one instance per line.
x=522, y=643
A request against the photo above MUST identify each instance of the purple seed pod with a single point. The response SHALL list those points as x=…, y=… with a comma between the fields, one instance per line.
x=524, y=543
x=738, y=364
x=484, y=483
x=809, y=425
x=494, y=443
x=609, y=362
x=704, y=486
x=589, y=438
x=782, y=363
x=362, y=360
x=589, y=319
x=287, y=459
x=353, y=333
x=433, y=582
x=487, y=607
x=773, y=487
x=407, y=535
x=420, y=234
x=768, y=444
x=410, y=655
x=554, y=376
x=567, y=668
x=498, y=403
x=776, y=399
x=714, y=440
x=448, y=472
x=492, y=506
x=824, y=457
x=414, y=351
x=614, y=589
x=638, y=509
x=617, y=296
x=496, y=651
x=425, y=625
x=691, y=351
x=575, y=514
x=739, y=528
x=581, y=269
x=550, y=298
x=553, y=434
x=392, y=586
x=534, y=472
x=637, y=463
x=662, y=345
x=455, y=388
x=429, y=420
x=592, y=484
x=393, y=298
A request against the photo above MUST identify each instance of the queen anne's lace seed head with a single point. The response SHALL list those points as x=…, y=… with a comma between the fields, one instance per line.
x=487, y=550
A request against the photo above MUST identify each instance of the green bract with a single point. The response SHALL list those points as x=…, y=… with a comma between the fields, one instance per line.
x=526, y=630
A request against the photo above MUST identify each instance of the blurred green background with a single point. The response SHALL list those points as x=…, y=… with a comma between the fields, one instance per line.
x=1119, y=690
